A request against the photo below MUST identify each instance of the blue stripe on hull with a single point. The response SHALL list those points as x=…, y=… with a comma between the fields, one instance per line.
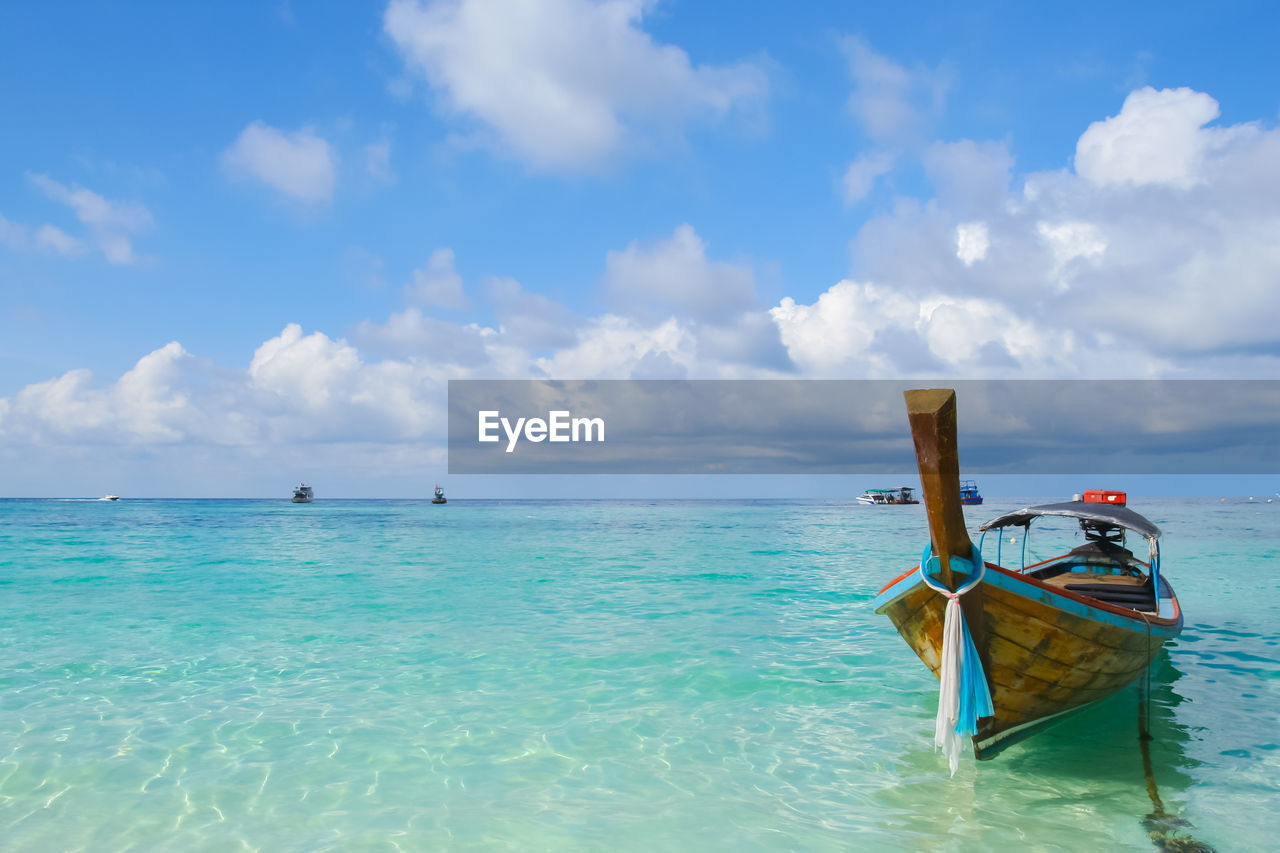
x=1051, y=598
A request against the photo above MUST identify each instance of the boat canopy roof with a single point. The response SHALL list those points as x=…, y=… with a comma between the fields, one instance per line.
x=1104, y=513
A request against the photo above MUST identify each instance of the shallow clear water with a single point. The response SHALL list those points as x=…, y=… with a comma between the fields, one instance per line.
x=380, y=675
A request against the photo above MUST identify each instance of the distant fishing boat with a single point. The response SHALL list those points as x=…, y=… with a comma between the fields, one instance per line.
x=881, y=497
x=439, y=498
x=1026, y=646
x=303, y=494
x=969, y=495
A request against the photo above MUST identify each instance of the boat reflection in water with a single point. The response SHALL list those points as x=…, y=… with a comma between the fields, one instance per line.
x=1087, y=779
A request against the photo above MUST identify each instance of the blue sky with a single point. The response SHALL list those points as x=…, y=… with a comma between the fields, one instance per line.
x=244, y=241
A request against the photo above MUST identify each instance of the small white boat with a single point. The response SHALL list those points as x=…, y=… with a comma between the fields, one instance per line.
x=303, y=494
x=439, y=496
x=884, y=497
x=109, y=498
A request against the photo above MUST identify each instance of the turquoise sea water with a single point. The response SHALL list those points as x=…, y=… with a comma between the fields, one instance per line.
x=383, y=675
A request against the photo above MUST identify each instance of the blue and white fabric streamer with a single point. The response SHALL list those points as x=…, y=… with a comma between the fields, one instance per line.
x=963, y=694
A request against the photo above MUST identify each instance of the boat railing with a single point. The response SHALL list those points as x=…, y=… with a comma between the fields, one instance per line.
x=1000, y=544
x=1152, y=564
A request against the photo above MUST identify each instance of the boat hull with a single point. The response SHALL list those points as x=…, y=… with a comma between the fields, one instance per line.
x=1046, y=651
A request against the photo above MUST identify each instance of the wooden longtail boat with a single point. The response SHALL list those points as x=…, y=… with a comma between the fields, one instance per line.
x=1052, y=637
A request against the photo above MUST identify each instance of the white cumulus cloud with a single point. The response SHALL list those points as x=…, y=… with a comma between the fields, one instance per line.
x=1071, y=240
x=860, y=177
x=112, y=225
x=300, y=165
x=895, y=105
x=438, y=283
x=562, y=84
x=619, y=347
x=1157, y=138
x=147, y=404
x=530, y=320
x=297, y=388
x=675, y=275
x=969, y=176
x=52, y=237
x=20, y=237
x=972, y=242
x=860, y=329
x=1162, y=238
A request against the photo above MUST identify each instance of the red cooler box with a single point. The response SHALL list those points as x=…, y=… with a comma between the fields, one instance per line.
x=1099, y=496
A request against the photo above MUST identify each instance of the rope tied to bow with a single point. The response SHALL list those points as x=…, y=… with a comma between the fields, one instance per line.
x=963, y=694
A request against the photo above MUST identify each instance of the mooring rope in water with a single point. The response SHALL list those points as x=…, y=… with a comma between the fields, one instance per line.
x=1160, y=825
x=1144, y=703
